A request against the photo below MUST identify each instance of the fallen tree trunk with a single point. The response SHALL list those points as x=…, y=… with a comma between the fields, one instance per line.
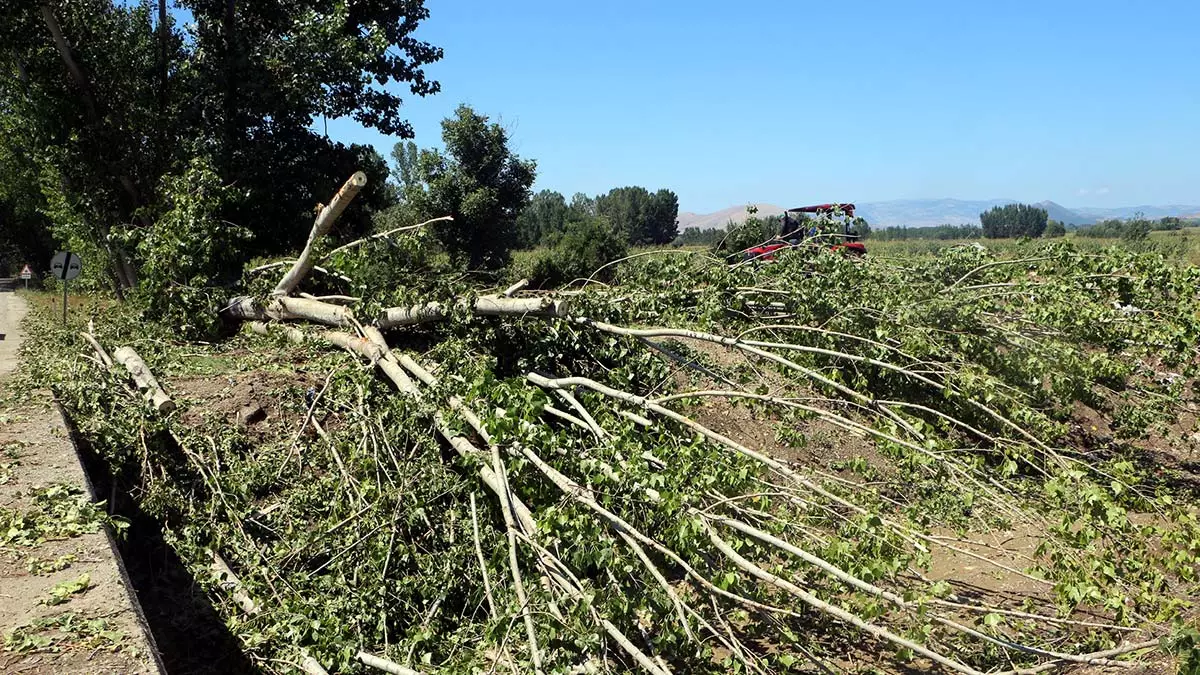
x=324, y=221
x=262, y=328
x=230, y=581
x=246, y=308
x=141, y=375
x=385, y=665
x=484, y=305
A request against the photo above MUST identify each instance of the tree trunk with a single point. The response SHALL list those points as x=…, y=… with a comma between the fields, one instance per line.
x=124, y=271
x=145, y=380
x=484, y=305
x=245, y=308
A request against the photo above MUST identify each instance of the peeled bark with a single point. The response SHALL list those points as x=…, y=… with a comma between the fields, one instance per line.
x=484, y=305
x=325, y=219
x=141, y=375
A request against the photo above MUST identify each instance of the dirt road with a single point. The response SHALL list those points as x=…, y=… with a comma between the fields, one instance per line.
x=12, y=311
x=63, y=605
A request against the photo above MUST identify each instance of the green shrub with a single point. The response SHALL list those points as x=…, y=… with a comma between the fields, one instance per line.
x=752, y=232
x=190, y=255
x=583, y=248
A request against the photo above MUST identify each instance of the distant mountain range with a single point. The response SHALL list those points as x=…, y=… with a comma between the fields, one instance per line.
x=925, y=212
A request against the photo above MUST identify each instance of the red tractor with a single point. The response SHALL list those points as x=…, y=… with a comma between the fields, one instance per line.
x=830, y=223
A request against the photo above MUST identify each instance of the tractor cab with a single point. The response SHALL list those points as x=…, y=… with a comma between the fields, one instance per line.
x=832, y=224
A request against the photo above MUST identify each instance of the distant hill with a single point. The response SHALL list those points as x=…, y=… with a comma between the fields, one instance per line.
x=1064, y=215
x=927, y=212
x=708, y=221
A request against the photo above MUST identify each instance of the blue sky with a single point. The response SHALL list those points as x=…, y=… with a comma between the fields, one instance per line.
x=1085, y=103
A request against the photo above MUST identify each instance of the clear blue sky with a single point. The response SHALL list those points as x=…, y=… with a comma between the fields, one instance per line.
x=1085, y=103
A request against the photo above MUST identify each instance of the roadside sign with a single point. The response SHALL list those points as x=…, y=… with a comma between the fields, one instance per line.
x=26, y=272
x=65, y=266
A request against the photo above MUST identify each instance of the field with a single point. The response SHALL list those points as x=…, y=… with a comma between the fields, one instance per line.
x=1181, y=246
x=937, y=457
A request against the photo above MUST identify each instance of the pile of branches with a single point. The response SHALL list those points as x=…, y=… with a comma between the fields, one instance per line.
x=522, y=481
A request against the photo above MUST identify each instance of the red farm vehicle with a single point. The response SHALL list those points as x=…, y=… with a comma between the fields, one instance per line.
x=832, y=224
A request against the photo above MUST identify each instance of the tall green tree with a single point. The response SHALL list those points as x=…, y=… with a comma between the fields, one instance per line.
x=1013, y=220
x=405, y=155
x=642, y=217
x=480, y=182
x=112, y=101
x=545, y=218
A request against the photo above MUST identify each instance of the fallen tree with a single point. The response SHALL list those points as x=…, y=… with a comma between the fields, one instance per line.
x=544, y=482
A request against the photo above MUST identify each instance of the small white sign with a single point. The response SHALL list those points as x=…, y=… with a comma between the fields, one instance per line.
x=65, y=266
x=26, y=272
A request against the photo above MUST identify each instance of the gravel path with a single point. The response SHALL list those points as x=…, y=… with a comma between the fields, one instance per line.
x=96, y=629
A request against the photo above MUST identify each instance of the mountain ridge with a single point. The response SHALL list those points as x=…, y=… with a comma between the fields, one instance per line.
x=927, y=212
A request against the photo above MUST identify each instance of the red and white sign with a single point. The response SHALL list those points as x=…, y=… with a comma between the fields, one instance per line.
x=26, y=272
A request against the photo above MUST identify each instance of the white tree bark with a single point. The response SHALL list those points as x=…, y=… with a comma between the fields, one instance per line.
x=228, y=580
x=325, y=219
x=141, y=375
x=484, y=305
x=246, y=308
x=385, y=665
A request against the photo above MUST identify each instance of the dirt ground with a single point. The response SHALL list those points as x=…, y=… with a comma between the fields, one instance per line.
x=96, y=630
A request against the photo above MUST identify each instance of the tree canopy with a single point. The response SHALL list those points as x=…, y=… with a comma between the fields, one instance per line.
x=480, y=183
x=104, y=102
x=1013, y=220
x=643, y=217
x=639, y=216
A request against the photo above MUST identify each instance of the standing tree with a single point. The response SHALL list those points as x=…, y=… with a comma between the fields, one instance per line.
x=544, y=218
x=479, y=182
x=404, y=156
x=1013, y=220
x=113, y=101
x=661, y=216
x=643, y=218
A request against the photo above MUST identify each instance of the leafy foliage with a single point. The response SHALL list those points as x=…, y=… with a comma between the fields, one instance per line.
x=191, y=254
x=1013, y=220
x=362, y=537
x=101, y=105
x=57, y=512
x=479, y=182
x=64, y=631
x=643, y=217
x=942, y=232
x=585, y=246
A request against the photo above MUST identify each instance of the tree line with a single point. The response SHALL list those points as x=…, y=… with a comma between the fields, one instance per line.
x=1134, y=229
x=1013, y=220
x=638, y=216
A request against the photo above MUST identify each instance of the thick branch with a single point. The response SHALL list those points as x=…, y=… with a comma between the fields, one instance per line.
x=141, y=375
x=325, y=218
